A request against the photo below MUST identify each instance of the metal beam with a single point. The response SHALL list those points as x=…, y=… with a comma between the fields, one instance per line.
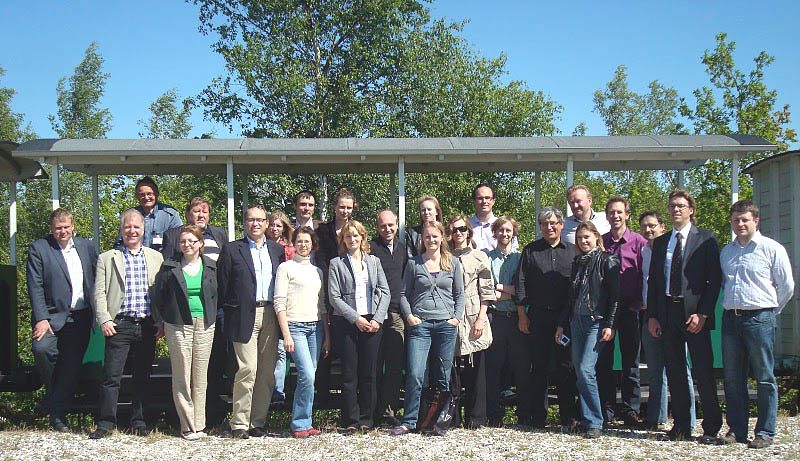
x=12, y=221
x=681, y=179
x=570, y=178
x=245, y=195
x=401, y=195
x=54, y=177
x=96, y=212
x=735, y=178
x=393, y=192
x=537, y=194
x=229, y=180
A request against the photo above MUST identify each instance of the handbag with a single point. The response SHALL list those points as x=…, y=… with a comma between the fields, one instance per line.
x=438, y=408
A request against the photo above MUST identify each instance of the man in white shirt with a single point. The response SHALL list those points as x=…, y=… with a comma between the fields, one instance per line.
x=580, y=202
x=304, y=205
x=758, y=283
x=484, y=198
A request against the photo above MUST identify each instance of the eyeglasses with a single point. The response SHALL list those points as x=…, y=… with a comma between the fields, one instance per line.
x=678, y=206
x=190, y=243
x=461, y=229
x=547, y=224
x=256, y=220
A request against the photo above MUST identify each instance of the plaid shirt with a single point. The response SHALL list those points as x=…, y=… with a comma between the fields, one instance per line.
x=137, y=298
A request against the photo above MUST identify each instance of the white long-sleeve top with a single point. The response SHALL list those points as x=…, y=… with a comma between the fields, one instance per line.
x=298, y=290
x=756, y=276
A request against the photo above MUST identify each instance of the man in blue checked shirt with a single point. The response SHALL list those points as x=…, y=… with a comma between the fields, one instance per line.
x=758, y=283
x=122, y=296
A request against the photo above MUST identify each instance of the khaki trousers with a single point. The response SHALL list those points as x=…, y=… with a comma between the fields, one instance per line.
x=189, y=350
x=255, y=379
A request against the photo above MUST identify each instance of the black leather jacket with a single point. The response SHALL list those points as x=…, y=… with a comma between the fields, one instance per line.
x=600, y=286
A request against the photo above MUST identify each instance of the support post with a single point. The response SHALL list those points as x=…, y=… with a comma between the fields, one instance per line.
x=393, y=192
x=55, y=193
x=537, y=194
x=245, y=195
x=570, y=179
x=12, y=222
x=735, y=178
x=401, y=196
x=229, y=181
x=95, y=211
x=681, y=179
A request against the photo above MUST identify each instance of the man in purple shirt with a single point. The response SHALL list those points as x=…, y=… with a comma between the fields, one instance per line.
x=627, y=245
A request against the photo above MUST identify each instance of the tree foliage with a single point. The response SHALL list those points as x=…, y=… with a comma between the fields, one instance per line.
x=169, y=117
x=11, y=123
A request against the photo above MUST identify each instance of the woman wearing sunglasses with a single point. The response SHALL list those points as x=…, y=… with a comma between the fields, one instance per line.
x=185, y=295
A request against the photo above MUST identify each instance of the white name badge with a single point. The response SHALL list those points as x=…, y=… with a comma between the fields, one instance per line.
x=158, y=240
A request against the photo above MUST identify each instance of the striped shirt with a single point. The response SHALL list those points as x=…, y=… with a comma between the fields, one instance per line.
x=756, y=276
x=137, y=298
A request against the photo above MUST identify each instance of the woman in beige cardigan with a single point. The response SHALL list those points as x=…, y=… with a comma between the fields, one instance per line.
x=474, y=333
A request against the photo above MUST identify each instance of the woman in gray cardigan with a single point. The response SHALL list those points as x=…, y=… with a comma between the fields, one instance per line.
x=359, y=295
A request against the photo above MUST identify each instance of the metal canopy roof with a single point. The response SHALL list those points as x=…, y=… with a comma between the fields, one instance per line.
x=381, y=155
x=17, y=169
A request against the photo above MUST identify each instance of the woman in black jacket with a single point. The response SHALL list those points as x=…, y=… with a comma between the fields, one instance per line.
x=591, y=313
x=186, y=297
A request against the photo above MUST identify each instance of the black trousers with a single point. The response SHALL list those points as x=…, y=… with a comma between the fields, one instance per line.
x=139, y=336
x=219, y=365
x=391, y=361
x=676, y=338
x=58, y=358
x=629, y=335
x=509, y=345
x=359, y=354
x=551, y=363
x=472, y=374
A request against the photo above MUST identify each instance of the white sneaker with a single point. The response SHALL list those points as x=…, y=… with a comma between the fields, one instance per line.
x=190, y=435
x=201, y=434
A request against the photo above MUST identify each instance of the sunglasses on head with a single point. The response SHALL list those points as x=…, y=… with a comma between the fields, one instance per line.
x=461, y=229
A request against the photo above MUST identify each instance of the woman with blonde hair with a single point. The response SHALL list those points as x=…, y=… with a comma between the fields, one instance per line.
x=359, y=295
x=280, y=230
x=429, y=210
x=185, y=295
x=432, y=302
x=591, y=316
x=474, y=332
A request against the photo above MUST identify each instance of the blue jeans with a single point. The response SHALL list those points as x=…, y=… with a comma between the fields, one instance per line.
x=439, y=338
x=657, y=403
x=280, y=371
x=307, y=337
x=586, y=347
x=748, y=339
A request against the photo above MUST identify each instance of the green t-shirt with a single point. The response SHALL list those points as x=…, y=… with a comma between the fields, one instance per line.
x=194, y=287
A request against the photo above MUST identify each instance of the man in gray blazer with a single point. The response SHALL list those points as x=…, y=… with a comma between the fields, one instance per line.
x=122, y=295
x=60, y=273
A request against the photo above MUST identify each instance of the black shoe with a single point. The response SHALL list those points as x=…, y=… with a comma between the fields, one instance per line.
x=761, y=441
x=239, y=434
x=631, y=420
x=730, y=438
x=99, y=433
x=593, y=433
x=708, y=440
x=59, y=426
x=653, y=427
x=257, y=432
x=679, y=434
x=141, y=431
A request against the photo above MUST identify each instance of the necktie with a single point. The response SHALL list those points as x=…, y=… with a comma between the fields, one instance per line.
x=675, y=268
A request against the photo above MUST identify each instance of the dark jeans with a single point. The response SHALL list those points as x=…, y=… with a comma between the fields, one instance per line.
x=629, y=334
x=58, y=360
x=139, y=336
x=391, y=361
x=508, y=343
x=472, y=374
x=219, y=364
x=359, y=354
x=676, y=338
x=552, y=363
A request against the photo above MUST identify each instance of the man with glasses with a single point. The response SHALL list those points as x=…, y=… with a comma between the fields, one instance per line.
x=246, y=280
x=542, y=286
x=682, y=292
x=158, y=217
x=483, y=196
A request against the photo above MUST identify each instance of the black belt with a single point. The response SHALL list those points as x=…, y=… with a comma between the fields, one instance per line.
x=742, y=312
x=675, y=299
x=263, y=303
x=506, y=314
x=131, y=319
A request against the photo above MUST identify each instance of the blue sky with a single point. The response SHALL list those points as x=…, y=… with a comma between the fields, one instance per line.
x=566, y=49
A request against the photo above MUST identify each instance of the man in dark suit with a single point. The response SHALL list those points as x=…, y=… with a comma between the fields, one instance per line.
x=246, y=280
x=682, y=293
x=60, y=272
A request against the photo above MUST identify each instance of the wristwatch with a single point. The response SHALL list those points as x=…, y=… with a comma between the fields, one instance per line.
x=703, y=316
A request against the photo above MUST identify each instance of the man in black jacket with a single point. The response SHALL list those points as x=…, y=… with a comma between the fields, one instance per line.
x=682, y=293
x=391, y=357
x=246, y=282
x=60, y=272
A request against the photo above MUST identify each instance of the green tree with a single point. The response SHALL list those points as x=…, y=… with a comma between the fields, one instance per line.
x=78, y=97
x=11, y=123
x=747, y=106
x=169, y=117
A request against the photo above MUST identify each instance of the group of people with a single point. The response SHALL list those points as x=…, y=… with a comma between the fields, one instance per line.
x=451, y=297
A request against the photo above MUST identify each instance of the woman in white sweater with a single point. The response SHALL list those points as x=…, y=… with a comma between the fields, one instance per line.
x=300, y=307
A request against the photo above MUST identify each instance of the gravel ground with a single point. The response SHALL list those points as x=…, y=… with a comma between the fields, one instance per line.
x=377, y=445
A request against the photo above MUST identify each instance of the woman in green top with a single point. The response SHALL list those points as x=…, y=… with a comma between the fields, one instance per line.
x=186, y=297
